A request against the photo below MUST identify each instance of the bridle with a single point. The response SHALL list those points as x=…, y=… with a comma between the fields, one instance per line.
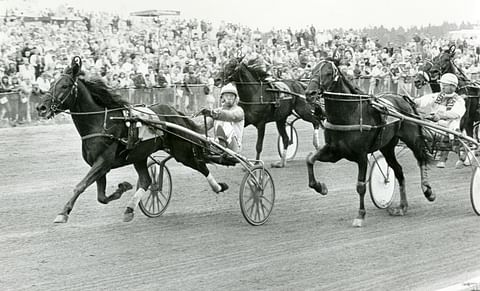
x=426, y=77
x=57, y=102
x=316, y=79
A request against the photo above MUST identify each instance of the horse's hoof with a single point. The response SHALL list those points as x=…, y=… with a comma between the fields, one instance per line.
x=397, y=211
x=278, y=165
x=429, y=194
x=61, y=218
x=320, y=188
x=125, y=186
x=357, y=222
x=223, y=187
x=128, y=215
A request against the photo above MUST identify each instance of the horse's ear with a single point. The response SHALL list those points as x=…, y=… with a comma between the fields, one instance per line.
x=76, y=65
x=451, y=50
x=240, y=56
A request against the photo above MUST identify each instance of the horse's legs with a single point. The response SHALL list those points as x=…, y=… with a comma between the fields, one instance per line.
x=304, y=110
x=260, y=136
x=144, y=181
x=418, y=146
x=362, y=163
x=216, y=187
x=316, y=136
x=389, y=154
x=101, y=185
x=325, y=154
x=99, y=168
x=283, y=133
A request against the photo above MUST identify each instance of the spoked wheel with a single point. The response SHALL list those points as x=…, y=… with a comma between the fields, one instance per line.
x=381, y=182
x=293, y=147
x=257, y=195
x=159, y=193
x=475, y=190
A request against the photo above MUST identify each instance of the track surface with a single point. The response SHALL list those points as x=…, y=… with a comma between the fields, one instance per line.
x=202, y=241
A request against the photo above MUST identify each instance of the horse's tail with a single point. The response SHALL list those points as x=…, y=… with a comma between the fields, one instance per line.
x=421, y=149
x=421, y=145
x=413, y=134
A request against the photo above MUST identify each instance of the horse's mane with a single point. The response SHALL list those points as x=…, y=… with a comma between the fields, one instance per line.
x=103, y=95
x=256, y=67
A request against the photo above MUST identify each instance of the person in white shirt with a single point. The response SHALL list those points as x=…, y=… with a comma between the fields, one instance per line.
x=445, y=108
x=228, y=120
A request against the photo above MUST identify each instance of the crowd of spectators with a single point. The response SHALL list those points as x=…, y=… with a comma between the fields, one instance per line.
x=165, y=52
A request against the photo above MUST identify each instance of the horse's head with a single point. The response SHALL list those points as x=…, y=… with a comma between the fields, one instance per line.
x=423, y=76
x=230, y=72
x=218, y=78
x=324, y=75
x=63, y=92
x=443, y=63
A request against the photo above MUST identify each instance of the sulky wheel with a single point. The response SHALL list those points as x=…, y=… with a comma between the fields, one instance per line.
x=381, y=182
x=158, y=196
x=293, y=138
x=257, y=195
x=475, y=190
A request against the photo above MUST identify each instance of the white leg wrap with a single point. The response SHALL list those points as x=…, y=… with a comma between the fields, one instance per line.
x=136, y=198
x=213, y=183
x=316, y=138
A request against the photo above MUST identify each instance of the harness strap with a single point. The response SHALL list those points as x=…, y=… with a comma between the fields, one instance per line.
x=353, y=127
x=92, y=135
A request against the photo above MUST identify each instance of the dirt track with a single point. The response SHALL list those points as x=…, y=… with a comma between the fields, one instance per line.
x=202, y=241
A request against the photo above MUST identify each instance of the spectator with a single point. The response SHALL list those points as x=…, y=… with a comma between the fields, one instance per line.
x=36, y=97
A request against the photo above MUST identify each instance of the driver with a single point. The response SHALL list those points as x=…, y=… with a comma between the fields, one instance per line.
x=445, y=108
x=228, y=120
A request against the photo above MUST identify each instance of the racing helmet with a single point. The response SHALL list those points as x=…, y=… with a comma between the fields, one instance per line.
x=229, y=88
x=449, y=78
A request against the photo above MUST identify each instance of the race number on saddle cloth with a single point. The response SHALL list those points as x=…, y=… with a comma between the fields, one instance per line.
x=228, y=120
x=446, y=107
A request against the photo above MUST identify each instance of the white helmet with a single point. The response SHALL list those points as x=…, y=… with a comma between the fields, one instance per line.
x=449, y=78
x=229, y=88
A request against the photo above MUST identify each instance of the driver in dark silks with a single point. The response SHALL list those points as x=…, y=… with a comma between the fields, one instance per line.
x=228, y=120
x=445, y=108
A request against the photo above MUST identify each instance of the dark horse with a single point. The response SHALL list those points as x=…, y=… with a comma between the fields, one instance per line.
x=92, y=107
x=262, y=102
x=443, y=64
x=425, y=76
x=354, y=128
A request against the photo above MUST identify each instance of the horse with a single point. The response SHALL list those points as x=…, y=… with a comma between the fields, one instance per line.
x=93, y=108
x=354, y=128
x=262, y=102
x=443, y=64
x=424, y=76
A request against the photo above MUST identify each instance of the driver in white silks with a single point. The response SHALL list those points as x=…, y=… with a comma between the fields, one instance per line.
x=228, y=120
x=445, y=108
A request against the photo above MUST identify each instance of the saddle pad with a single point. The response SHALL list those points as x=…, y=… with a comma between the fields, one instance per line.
x=145, y=132
x=282, y=86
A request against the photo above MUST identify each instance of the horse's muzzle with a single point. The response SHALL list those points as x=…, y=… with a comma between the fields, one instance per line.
x=42, y=111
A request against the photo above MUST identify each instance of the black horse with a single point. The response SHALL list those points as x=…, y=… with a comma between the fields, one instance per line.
x=104, y=145
x=425, y=76
x=354, y=128
x=266, y=101
x=443, y=64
